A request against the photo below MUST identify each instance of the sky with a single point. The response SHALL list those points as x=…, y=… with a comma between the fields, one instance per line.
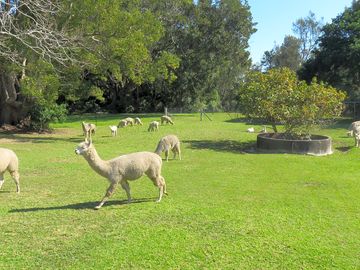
x=274, y=19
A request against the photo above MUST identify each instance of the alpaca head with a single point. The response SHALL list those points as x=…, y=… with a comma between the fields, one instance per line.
x=83, y=147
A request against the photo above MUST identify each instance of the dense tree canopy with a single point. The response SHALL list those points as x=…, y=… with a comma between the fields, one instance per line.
x=337, y=60
x=121, y=55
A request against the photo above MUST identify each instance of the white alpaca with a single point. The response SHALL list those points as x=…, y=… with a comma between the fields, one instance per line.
x=352, y=128
x=167, y=143
x=138, y=121
x=356, y=134
x=250, y=130
x=113, y=130
x=153, y=126
x=9, y=162
x=122, y=123
x=129, y=121
x=124, y=168
x=166, y=119
x=88, y=129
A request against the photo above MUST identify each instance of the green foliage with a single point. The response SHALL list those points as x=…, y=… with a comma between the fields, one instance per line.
x=337, y=59
x=42, y=114
x=279, y=97
x=286, y=55
x=40, y=88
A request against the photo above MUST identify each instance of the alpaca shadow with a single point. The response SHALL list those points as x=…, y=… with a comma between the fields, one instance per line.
x=81, y=206
x=343, y=148
x=223, y=146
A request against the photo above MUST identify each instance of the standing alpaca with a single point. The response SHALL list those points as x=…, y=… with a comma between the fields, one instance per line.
x=352, y=128
x=123, y=168
x=166, y=119
x=138, y=121
x=88, y=129
x=9, y=162
x=167, y=143
x=153, y=126
x=113, y=130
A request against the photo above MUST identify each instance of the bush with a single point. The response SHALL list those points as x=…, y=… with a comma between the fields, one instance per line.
x=42, y=115
x=279, y=97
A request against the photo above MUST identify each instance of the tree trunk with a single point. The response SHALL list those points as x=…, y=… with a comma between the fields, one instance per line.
x=11, y=108
x=274, y=128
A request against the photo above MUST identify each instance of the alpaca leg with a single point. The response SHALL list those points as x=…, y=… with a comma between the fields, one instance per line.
x=2, y=180
x=178, y=150
x=167, y=154
x=16, y=176
x=108, y=194
x=125, y=185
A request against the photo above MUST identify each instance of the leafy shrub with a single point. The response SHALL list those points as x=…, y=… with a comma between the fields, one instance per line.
x=277, y=96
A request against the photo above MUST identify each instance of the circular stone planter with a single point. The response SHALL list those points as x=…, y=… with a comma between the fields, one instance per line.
x=318, y=145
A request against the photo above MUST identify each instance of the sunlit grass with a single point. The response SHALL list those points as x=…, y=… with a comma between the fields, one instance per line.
x=227, y=208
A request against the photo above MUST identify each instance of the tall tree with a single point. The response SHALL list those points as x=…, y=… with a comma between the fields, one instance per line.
x=29, y=32
x=286, y=55
x=337, y=59
x=308, y=30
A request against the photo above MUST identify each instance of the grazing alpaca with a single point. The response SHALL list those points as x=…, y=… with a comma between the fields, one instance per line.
x=250, y=130
x=122, y=123
x=167, y=143
x=113, y=130
x=166, y=119
x=88, y=129
x=129, y=121
x=153, y=126
x=138, y=121
x=9, y=162
x=123, y=168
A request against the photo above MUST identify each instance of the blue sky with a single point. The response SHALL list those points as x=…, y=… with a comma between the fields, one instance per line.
x=275, y=17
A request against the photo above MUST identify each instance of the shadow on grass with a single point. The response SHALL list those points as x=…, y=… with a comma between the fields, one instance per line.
x=224, y=146
x=344, y=148
x=40, y=139
x=81, y=206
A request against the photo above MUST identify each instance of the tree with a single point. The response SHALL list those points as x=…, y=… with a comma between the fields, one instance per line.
x=337, y=59
x=278, y=97
x=308, y=30
x=121, y=37
x=29, y=32
x=286, y=55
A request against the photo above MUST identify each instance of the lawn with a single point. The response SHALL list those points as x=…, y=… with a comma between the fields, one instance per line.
x=227, y=208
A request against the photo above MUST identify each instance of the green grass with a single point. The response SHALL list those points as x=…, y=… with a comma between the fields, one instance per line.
x=226, y=209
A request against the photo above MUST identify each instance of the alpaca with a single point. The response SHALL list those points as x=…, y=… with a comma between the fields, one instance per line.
x=129, y=121
x=250, y=130
x=356, y=134
x=122, y=123
x=352, y=128
x=166, y=119
x=138, y=121
x=9, y=162
x=167, y=143
x=113, y=130
x=88, y=129
x=153, y=126
x=124, y=168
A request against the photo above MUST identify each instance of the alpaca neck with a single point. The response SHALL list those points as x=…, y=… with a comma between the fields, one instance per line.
x=100, y=166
